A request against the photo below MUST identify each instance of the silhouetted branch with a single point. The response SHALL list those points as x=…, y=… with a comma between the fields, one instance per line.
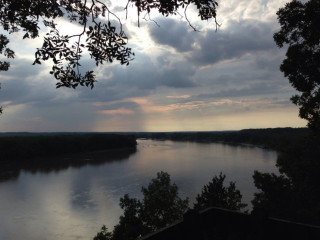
x=147, y=14
x=185, y=15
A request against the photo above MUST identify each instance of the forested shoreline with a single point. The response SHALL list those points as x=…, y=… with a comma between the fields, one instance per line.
x=23, y=147
x=56, y=151
x=271, y=138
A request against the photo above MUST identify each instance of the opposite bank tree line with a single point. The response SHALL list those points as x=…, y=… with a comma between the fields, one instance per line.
x=25, y=147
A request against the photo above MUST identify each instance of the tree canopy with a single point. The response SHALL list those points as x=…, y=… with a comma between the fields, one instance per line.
x=159, y=207
x=8, y=53
x=215, y=194
x=105, y=39
x=294, y=193
x=300, y=30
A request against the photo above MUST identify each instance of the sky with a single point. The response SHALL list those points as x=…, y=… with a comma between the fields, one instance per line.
x=180, y=80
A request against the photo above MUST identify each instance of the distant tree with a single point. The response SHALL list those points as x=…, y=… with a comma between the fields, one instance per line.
x=102, y=29
x=300, y=30
x=215, y=194
x=159, y=207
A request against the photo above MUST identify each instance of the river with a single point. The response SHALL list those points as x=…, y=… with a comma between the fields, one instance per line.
x=73, y=202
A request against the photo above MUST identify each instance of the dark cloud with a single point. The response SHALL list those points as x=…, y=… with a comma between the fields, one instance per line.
x=177, y=79
x=20, y=85
x=270, y=60
x=32, y=85
x=234, y=41
x=15, y=90
x=139, y=79
x=238, y=39
x=173, y=33
x=145, y=74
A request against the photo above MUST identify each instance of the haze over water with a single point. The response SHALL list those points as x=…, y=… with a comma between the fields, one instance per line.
x=75, y=202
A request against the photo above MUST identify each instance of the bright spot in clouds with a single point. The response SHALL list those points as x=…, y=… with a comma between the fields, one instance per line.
x=180, y=80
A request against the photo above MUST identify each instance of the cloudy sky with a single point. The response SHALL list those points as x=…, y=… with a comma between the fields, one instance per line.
x=180, y=80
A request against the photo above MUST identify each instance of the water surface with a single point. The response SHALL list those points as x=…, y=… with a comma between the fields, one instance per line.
x=74, y=202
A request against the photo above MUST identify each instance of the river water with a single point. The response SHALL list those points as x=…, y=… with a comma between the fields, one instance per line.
x=73, y=202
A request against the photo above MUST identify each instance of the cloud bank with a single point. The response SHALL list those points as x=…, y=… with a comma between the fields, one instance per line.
x=179, y=80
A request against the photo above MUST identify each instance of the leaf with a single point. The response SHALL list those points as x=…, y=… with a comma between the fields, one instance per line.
x=26, y=36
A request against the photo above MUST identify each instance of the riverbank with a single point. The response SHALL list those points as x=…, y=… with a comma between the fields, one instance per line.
x=269, y=138
x=55, y=152
x=23, y=147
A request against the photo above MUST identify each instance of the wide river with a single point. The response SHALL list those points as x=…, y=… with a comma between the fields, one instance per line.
x=73, y=202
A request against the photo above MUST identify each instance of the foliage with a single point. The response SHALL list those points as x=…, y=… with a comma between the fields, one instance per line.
x=300, y=30
x=105, y=40
x=275, y=195
x=162, y=206
x=300, y=161
x=8, y=53
x=161, y=203
x=104, y=234
x=301, y=164
x=295, y=194
x=159, y=207
x=130, y=225
x=215, y=194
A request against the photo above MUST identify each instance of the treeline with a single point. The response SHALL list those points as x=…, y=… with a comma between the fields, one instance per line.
x=23, y=147
x=272, y=138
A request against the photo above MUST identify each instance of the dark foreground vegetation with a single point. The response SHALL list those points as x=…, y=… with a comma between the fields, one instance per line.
x=161, y=206
x=162, y=214
x=218, y=223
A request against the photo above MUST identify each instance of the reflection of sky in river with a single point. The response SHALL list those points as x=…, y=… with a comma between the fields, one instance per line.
x=74, y=203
